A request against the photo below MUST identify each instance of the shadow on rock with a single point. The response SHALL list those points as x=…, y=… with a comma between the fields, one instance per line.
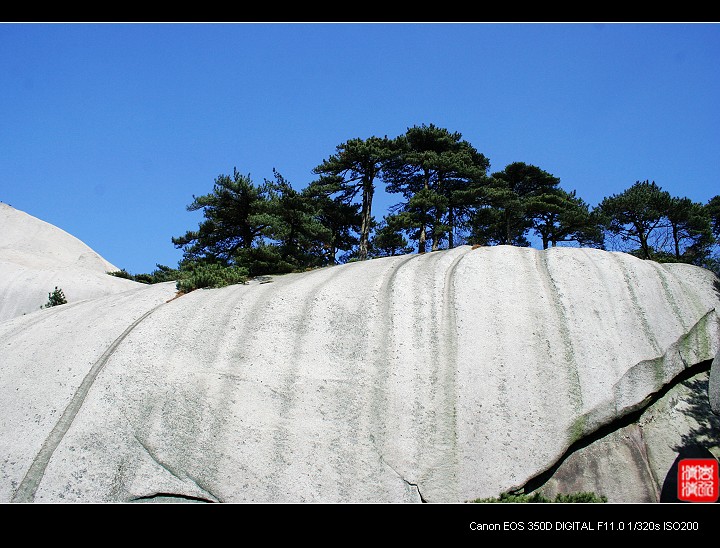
x=696, y=443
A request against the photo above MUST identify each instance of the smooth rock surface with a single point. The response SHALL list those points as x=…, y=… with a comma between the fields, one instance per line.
x=36, y=257
x=443, y=377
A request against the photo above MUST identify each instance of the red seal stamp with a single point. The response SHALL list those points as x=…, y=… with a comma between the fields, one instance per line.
x=698, y=480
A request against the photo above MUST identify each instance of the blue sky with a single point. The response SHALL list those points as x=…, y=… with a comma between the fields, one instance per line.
x=108, y=130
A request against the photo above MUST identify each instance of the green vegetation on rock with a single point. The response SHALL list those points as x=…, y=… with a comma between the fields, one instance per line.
x=537, y=497
x=55, y=298
x=202, y=276
x=446, y=197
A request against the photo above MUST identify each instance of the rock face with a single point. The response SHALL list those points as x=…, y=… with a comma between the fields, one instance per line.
x=714, y=385
x=36, y=257
x=635, y=462
x=442, y=377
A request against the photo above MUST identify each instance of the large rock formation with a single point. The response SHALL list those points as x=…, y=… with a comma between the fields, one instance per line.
x=635, y=460
x=36, y=257
x=442, y=377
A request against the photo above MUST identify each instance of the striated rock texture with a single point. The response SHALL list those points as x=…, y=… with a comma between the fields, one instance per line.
x=441, y=377
x=36, y=257
x=635, y=461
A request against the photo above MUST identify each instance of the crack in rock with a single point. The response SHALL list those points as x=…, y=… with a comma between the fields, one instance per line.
x=535, y=483
x=30, y=483
x=162, y=495
x=398, y=474
x=177, y=475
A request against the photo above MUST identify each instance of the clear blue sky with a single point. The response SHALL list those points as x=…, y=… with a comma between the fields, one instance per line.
x=107, y=130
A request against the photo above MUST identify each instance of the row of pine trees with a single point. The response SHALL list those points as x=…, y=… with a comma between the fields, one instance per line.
x=445, y=197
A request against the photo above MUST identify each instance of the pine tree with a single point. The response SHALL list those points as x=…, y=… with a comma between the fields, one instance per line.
x=713, y=209
x=560, y=216
x=510, y=203
x=352, y=171
x=295, y=237
x=434, y=171
x=341, y=219
x=637, y=215
x=55, y=298
x=388, y=239
x=233, y=220
x=690, y=229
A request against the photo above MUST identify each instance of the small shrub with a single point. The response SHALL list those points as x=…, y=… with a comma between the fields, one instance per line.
x=55, y=298
x=210, y=276
x=580, y=497
x=122, y=274
x=143, y=278
x=537, y=497
x=161, y=274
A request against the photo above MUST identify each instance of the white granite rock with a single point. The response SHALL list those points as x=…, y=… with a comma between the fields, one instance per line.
x=36, y=257
x=442, y=377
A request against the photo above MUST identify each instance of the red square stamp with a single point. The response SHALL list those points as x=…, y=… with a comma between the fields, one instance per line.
x=698, y=480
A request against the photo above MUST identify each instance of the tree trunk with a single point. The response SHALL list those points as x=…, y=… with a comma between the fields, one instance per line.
x=451, y=222
x=436, y=235
x=644, y=245
x=423, y=234
x=365, y=225
x=507, y=228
